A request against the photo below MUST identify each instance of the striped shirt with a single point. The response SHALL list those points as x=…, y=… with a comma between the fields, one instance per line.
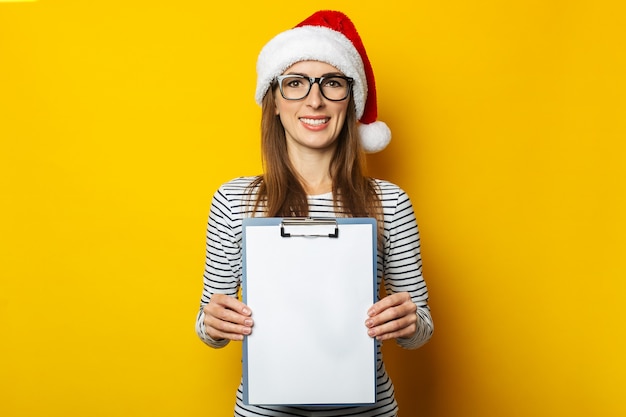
x=399, y=263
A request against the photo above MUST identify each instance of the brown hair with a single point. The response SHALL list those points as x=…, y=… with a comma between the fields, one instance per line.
x=280, y=192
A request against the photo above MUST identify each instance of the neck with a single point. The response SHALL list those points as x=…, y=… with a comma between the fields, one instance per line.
x=313, y=170
x=322, y=186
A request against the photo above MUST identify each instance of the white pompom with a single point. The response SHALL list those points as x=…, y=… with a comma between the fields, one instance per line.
x=374, y=136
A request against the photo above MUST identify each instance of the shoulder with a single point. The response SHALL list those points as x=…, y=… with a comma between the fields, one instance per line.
x=394, y=200
x=388, y=191
x=236, y=189
x=237, y=185
x=235, y=198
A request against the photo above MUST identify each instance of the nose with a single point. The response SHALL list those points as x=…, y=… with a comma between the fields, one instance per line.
x=315, y=99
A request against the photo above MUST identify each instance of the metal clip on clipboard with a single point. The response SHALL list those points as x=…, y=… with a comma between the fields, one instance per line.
x=316, y=227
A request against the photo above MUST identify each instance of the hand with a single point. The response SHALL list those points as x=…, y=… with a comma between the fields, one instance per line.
x=392, y=317
x=225, y=317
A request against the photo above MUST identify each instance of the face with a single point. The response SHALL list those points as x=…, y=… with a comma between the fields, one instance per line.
x=314, y=122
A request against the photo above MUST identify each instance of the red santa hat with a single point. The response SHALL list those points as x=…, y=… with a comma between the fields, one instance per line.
x=328, y=36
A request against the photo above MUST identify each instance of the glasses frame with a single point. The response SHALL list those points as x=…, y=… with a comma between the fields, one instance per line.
x=314, y=80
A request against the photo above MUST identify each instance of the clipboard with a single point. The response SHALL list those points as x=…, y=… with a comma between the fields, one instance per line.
x=309, y=283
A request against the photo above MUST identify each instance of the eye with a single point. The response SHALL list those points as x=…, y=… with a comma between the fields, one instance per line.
x=293, y=82
x=335, y=82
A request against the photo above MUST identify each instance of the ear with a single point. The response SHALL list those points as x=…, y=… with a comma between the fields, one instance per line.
x=276, y=111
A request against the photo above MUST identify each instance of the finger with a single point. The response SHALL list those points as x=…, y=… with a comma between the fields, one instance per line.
x=399, y=315
x=405, y=332
x=225, y=317
x=223, y=323
x=388, y=302
x=404, y=326
x=219, y=329
x=407, y=308
x=230, y=303
x=224, y=314
x=222, y=310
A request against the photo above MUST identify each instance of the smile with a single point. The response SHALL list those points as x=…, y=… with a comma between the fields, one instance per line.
x=315, y=122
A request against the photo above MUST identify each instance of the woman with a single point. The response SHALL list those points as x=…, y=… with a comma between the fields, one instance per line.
x=316, y=88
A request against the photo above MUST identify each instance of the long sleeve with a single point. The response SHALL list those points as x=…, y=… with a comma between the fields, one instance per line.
x=402, y=264
x=222, y=271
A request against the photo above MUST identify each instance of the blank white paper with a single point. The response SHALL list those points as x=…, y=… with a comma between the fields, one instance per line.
x=309, y=298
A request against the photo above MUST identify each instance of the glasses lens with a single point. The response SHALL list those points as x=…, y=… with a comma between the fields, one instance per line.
x=295, y=87
x=335, y=88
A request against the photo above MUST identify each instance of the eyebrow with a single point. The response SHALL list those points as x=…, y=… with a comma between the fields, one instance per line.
x=328, y=74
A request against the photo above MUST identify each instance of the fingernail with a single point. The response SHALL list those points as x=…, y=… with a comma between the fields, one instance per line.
x=371, y=332
x=247, y=330
x=248, y=322
x=368, y=323
x=245, y=311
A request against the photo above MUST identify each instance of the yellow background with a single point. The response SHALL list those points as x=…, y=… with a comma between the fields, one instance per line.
x=118, y=120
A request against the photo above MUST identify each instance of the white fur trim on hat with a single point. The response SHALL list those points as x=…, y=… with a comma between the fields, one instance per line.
x=311, y=43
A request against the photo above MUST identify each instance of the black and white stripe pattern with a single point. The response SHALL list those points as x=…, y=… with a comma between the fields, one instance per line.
x=400, y=263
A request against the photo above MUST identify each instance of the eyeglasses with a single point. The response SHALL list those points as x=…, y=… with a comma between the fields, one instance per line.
x=297, y=87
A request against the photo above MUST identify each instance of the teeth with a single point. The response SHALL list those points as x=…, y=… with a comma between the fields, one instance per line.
x=314, y=122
